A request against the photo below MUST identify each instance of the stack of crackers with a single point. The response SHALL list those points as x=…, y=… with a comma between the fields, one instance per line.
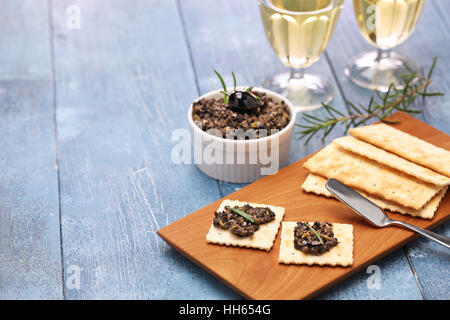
x=395, y=170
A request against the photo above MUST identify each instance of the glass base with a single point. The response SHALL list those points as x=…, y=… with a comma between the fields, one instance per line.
x=306, y=91
x=376, y=70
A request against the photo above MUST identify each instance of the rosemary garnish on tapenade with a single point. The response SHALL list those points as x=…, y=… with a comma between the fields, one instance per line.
x=246, y=216
x=315, y=232
x=246, y=97
x=239, y=224
x=316, y=239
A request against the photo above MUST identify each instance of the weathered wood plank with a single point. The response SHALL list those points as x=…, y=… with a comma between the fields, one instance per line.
x=30, y=253
x=430, y=262
x=422, y=46
x=384, y=280
x=124, y=84
x=229, y=37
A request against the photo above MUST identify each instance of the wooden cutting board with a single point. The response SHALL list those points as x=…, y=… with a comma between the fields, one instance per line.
x=257, y=274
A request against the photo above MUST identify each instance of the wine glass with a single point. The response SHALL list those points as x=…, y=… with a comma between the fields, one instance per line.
x=299, y=32
x=384, y=24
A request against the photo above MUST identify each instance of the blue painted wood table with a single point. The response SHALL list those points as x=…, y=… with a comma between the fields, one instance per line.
x=90, y=93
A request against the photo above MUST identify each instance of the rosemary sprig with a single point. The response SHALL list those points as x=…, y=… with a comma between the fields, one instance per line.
x=246, y=216
x=315, y=232
x=224, y=86
x=380, y=107
x=226, y=95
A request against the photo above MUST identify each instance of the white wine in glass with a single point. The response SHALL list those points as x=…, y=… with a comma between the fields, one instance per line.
x=299, y=31
x=384, y=24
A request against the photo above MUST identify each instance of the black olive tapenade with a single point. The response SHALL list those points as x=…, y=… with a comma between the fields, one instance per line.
x=307, y=241
x=237, y=224
x=214, y=113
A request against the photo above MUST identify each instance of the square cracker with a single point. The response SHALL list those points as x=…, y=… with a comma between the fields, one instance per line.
x=406, y=146
x=340, y=255
x=367, y=150
x=262, y=239
x=316, y=184
x=370, y=176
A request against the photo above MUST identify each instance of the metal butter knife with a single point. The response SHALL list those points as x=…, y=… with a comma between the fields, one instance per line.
x=373, y=214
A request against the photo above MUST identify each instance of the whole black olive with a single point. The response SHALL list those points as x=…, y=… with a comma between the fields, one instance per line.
x=242, y=101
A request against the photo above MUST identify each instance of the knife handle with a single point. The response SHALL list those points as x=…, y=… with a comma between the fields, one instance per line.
x=442, y=240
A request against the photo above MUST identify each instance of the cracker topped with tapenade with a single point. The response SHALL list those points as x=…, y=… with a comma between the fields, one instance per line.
x=320, y=243
x=316, y=239
x=243, y=224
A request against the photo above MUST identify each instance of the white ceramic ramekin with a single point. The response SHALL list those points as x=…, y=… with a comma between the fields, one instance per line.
x=241, y=161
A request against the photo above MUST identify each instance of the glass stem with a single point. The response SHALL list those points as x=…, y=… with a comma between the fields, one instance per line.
x=383, y=54
x=296, y=73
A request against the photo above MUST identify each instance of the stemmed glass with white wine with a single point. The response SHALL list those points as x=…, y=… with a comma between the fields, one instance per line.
x=384, y=24
x=299, y=31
